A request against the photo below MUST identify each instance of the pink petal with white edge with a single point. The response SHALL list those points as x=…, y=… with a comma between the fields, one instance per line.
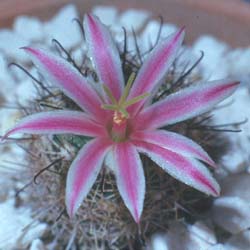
x=58, y=122
x=155, y=67
x=63, y=75
x=189, y=171
x=174, y=142
x=185, y=104
x=105, y=54
x=83, y=172
x=130, y=177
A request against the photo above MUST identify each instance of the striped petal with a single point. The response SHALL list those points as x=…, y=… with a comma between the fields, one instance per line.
x=185, y=104
x=130, y=177
x=62, y=74
x=105, y=55
x=83, y=173
x=155, y=67
x=58, y=122
x=187, y=170
x=174, y=142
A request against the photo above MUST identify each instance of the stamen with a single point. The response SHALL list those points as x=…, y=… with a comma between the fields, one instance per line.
x=119, y=118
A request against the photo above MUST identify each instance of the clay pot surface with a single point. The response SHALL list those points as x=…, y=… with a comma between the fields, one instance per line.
x=227, y=20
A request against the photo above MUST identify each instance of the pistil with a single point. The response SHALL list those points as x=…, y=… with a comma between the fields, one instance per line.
x=119, y=107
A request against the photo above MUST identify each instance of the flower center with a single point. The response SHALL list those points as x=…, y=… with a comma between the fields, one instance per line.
x=119, y=118
x=120, y=114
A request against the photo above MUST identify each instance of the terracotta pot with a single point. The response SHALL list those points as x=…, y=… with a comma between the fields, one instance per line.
x=228, y=20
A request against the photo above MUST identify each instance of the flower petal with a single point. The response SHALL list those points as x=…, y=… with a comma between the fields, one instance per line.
x=130, y=177
x=185, y=104
x=65, y=76
x=155, y=67
x=174, y=142
x=83, y=172
x=58, y=122
x=189, y=171
x=105, y=54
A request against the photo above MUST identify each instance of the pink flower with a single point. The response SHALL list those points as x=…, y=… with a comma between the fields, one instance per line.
x=122, y=121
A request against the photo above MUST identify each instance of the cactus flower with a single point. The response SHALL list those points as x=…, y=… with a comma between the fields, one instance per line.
x=122, y=120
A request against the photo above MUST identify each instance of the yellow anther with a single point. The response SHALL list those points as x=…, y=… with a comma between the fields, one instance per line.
x=119, y=118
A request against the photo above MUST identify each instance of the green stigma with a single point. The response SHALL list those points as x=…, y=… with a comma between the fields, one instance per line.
x=123, y=103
